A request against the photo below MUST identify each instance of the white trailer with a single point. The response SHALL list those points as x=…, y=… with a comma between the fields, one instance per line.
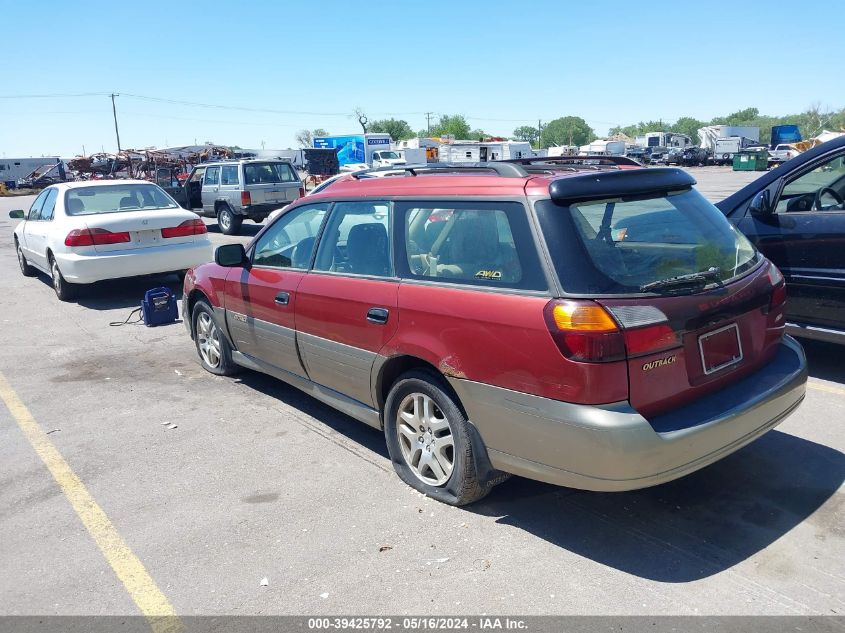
x=413, y=155
x=723, y=141
x=603, y=148
x=561, y=150
x=482, y=152
x=663, y=139
x=13, y=169
x=712, y=133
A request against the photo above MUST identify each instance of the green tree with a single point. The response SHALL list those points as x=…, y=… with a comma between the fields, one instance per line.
x=306, y=138
x=689, y=126
x=568, y=130
x=477, y=134
x=456, y=125
x=399, y=130
x=525, y=133
x=740, y=117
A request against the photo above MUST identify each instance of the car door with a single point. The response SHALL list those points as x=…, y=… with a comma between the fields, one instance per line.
x=40, y=230
x=261, y=300
x=34, y=233
x=347, y=306
x=805, y=238
x=210, y=189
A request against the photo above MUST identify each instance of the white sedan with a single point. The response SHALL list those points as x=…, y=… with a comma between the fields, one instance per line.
x=83, y=232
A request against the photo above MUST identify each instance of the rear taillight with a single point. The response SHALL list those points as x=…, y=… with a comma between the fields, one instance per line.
x=584, y=331
x=95, y=237
x=302, y=192
x=587, y=332
x=186, y=229
x=246, y=199
x=646, y=328
x=650, y=339
x=778, y=287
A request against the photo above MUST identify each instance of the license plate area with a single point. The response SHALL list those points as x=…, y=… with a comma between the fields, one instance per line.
x=275, y=196
x=148, y=237
x=720, y=349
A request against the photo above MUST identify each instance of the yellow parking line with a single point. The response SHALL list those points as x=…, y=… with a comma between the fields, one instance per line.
x=820, y=386
x=128, y=568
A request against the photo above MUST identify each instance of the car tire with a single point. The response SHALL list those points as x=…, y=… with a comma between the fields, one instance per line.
x=212, y=345
x=64, y=291
x=432, y=449
x=26, y=269
x=228, y=221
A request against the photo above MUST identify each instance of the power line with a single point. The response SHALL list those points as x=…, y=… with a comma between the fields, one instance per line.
x=196, y=120
x=227, y=107
x=55, y=96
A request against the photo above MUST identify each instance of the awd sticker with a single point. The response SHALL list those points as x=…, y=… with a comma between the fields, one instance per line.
x=488, y=274
x=660, y=362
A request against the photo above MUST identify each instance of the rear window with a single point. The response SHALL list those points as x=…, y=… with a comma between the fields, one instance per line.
x=116, y=198
x=617, y=246
x=267, y=173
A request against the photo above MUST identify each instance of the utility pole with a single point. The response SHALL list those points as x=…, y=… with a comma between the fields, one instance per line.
x=428, y=121
x=114, y=113
x=539, y=133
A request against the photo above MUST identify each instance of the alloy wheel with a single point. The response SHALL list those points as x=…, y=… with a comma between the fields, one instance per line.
x=225, y=220
x=425, y=438
x=21, y=259
x=56, y=276
x=208, y=340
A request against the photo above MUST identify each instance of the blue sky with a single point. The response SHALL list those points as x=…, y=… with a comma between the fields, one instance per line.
x=501, y=64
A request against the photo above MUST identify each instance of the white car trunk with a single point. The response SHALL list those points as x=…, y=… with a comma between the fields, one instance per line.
x=144, y=228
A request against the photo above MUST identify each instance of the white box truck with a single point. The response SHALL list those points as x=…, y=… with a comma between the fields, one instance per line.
x=361, y=151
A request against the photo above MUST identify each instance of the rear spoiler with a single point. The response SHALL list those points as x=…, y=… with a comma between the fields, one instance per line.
x=626, y=182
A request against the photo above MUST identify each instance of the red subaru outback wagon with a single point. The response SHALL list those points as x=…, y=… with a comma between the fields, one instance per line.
x=593, y=326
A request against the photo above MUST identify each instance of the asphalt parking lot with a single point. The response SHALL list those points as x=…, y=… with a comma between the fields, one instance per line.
x=259, y=481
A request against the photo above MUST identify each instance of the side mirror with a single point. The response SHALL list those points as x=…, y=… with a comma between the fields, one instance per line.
x=16, y=214
x=231, y=256
x=761, y=205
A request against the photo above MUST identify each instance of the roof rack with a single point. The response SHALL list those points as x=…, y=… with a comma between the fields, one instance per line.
x=504, y=169
x=587, y=161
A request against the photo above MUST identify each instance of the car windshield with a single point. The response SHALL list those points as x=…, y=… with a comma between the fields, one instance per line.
x=117, y=198
x=269, y=173
x=623, y=244
x=390, y=155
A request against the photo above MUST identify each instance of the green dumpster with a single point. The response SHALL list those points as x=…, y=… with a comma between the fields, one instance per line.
x=751, y=160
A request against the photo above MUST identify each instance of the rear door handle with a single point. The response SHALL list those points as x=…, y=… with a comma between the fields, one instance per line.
x=282, y=299
x=378, y=315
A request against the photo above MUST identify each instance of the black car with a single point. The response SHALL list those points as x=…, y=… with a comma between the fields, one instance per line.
x=687, y=156
x=795, y=215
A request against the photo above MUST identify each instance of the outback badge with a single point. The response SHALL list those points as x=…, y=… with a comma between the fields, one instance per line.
x=660, y=362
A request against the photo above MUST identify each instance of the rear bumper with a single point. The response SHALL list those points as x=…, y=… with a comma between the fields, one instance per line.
x=86, y=269
x=612, y=447
x=260, y=211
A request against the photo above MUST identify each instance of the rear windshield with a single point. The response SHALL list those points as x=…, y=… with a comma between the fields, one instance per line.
x=619, y=245
x=261, y=173
x=116, y=198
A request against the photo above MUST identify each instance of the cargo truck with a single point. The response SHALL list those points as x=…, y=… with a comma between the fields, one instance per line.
x=361, y=151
